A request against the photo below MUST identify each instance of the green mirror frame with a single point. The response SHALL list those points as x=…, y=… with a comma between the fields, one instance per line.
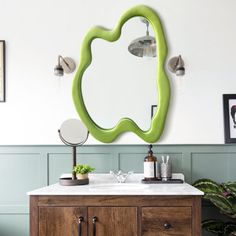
x=125, y=124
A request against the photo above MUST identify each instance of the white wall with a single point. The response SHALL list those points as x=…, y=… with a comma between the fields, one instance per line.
x=203, y=31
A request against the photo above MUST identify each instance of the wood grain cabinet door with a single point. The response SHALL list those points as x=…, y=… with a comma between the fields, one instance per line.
x=166, y=221
x=112, y=221
x=62, y=221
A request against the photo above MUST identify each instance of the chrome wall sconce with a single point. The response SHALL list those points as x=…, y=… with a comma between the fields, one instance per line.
x=176, y=65
x=144, y=46
x=65, y=65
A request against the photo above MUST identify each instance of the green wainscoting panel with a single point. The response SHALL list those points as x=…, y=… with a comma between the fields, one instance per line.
x=19, y=173
x=232, y=167
x=134, y=161
x=24, y=168
x=14, y=225
x=62, y=163
x=217, y=166
x=129, y=161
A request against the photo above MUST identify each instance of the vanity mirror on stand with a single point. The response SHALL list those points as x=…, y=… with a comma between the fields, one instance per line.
x=73, y=133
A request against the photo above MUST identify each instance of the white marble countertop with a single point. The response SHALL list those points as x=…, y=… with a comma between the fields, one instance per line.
x=105, y=184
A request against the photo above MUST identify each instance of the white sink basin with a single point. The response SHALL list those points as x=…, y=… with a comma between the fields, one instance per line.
x=118, y=187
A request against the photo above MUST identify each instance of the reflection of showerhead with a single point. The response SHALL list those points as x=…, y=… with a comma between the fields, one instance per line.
x=233, y=111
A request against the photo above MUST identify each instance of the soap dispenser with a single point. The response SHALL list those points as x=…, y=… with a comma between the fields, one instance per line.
x=150, y=165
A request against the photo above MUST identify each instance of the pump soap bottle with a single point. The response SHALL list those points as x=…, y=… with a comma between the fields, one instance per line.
x=150, y=165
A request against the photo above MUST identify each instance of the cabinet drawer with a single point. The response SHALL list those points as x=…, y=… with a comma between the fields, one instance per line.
x=165, y=221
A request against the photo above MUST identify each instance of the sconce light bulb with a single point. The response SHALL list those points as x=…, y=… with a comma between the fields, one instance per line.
x=58, y=70
x=180, y=71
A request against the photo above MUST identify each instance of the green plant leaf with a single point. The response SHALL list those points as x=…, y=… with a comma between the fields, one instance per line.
x=83, y=169
x=208, y=186
x=223, y=197
x=213, y=226
x=231, y=188
x=230, y=197
x=221, y=202
x=230, y=229
x=233, y=215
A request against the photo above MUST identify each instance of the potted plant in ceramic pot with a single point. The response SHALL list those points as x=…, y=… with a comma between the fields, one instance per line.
x=82, y=171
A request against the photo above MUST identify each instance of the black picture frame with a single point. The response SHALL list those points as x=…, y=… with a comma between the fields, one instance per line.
x=229, y=108
x=153, y=110
x=2, y=72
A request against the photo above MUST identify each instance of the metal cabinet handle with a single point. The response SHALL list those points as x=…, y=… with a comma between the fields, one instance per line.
x=81, y=219
x=167, y=225
x=94, y=225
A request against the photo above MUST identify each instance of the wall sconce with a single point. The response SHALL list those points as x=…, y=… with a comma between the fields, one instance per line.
x=176, y=65
x=65, y=64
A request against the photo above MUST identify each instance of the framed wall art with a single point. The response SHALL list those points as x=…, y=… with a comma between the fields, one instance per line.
x=2, y=71
x=229, y=106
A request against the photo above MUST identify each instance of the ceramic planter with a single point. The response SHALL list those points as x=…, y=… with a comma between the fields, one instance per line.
x=82, y=176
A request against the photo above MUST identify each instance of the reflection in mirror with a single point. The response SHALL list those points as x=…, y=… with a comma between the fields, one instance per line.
x=144, y=46
x=118, y=84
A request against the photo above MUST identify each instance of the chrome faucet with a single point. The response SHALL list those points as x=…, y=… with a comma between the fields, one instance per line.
x=120, y=176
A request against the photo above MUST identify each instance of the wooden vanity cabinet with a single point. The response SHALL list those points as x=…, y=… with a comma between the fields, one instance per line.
x=115, y=216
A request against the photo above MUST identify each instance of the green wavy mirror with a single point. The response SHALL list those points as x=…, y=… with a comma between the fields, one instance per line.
x=107, y=135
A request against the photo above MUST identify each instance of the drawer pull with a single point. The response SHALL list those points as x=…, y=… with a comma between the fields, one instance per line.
x=81, y=219
x=94, y=225
x=167, y=225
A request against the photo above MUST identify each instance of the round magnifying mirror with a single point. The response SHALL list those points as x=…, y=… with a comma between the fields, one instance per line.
x=73, y=132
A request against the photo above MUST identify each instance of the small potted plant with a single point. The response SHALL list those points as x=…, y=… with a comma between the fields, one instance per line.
x=82, y=171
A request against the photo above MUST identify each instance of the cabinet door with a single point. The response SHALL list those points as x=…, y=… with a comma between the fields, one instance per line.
x=165, y=221
x=112, y=221
x=62, y=221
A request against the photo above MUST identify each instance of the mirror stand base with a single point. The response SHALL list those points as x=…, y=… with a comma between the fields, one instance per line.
x=72, y=182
